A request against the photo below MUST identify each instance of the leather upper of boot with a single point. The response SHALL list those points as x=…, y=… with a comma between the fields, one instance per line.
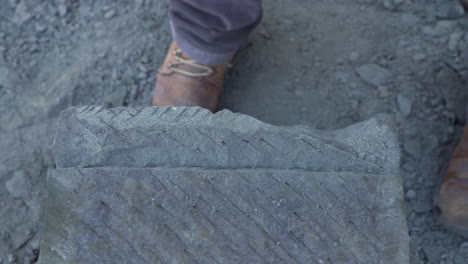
x=185, y=82
x=453, y=194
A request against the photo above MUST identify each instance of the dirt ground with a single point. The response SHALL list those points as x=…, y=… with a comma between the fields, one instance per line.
x=322, y=63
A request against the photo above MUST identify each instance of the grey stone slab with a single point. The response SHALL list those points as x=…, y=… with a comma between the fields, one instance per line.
x=194, y=137
x=134, y=216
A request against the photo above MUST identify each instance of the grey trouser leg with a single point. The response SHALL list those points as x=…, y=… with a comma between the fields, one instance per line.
x=211, y=31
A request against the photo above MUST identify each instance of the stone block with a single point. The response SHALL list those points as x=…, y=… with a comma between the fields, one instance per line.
x=190, y=215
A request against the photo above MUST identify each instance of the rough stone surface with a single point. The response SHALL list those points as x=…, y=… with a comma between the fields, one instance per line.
x=193, y=137
x=266, y=194
x=187, y=215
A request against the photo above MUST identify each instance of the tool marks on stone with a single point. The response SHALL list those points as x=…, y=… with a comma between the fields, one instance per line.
x=223, y=216
x=175, y=137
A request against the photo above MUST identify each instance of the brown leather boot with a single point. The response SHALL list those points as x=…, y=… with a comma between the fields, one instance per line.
x=453, y=194
x=185, y=82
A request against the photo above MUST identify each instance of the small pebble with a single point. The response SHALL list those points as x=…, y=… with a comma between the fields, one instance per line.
x=388, y=4
x=12, y=3
x=40, y=28
x=453, y=40
x=109, y=14
x=447, y=114
x=464, y=245
x=442, y=28
x=353, y=56
x=404, y=104
x=418, y=57
x=287, y=24
x=374, y=74
x=18, y=186
x=62, y=10
x=435, y=102
x=450, y=130
x=142, y=75
x=145, y=59
x=383, y=91
x=19, y=238
x=35, y=243
x=413, y=148
x=449, y=9
x=22, y=13
x=411, y=194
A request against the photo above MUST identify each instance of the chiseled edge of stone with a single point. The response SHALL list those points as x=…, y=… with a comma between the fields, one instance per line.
x=372, y=141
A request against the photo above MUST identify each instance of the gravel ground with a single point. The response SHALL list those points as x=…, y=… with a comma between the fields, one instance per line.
x=323, y=63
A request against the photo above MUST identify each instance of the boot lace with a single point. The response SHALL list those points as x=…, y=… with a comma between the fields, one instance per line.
x=173, y=66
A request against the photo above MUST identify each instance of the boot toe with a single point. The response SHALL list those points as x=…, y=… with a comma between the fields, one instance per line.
x=453, y=203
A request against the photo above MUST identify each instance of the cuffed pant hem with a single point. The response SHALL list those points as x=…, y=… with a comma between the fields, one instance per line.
x=198, y=55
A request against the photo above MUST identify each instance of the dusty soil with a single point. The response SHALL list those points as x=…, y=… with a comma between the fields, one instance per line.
x=323, y=63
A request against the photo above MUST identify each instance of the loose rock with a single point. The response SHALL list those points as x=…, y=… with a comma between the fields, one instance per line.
x=62, y=10
x=374, y=74
x=410, y=194
x=20, y=238
x=12, y=3
x=18, y=186
x=449, y=9
x=354, y=56
x=418, y=57
x=413, y=148
x=10, y=258
x=22, y=13
x=442, y=28
x=404, y=104
x=110, y=14
x=383, y=91
x=453, y=41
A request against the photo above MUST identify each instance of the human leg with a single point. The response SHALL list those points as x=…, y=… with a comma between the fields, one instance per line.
x=206, y=34
x=210, y=31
